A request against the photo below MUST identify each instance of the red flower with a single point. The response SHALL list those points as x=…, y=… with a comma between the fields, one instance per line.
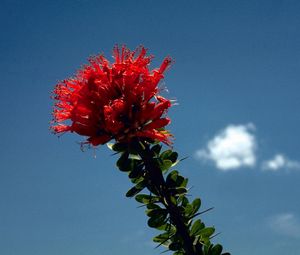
x=117, y=100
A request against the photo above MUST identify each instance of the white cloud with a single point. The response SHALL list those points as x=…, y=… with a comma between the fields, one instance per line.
x=232, y=148
x=279, y=161
x=285, y=224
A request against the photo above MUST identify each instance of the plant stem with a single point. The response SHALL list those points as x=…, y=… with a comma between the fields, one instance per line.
x=156, y=178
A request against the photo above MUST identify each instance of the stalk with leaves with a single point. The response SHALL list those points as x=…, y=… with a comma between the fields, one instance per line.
x=168, y=207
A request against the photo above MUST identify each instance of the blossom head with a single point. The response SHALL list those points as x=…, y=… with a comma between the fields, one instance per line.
x=118, y=100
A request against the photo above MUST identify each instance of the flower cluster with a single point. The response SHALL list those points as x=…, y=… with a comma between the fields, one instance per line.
x=117, y=100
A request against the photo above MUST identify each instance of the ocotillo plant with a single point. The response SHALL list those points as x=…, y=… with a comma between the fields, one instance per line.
x=121, y=101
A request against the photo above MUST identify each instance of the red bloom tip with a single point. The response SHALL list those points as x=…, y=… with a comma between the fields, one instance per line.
x=158, y=123
x=117, y=100
x=60, y=128
x=165, y=64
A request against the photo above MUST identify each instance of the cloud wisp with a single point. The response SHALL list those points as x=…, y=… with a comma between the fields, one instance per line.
x=286, y=224
x=278, y=162
x=231, y=148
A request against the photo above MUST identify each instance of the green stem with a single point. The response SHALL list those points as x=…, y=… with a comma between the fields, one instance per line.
x=156, y=178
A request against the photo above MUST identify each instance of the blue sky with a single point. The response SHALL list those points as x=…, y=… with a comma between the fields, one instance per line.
x=236, y=79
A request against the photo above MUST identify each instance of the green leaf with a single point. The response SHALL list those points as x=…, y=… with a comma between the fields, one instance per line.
x=137, y=180
x=205, y=240
x=168, y=228
x=184, y=202
x=137, y=171
x=123, y=162
x=156, y=149
x=119, y=147
x=166, y=154
x=146, y=199
x=133, y=191
x=197, y=227
x=136, y=189
x=206, y=232
x=179, y=253
x=136, y=157
x=161, y=238
x=143, y=198
x=166, y=165
x=178, y=191
x=184, y=183
x=171, y=178
x=132, y=165
x=170, y=155
x=191, y=209
x=181, y=190
x=175, y=246
x=196, y=204
x=206, y=248
x=156, y=212
x=188, y=210
x=128, y=162
x=173, y=157
x=152, y=206
x=173, y=200
x=216, y=250
x=175, y=180
x=158, y=218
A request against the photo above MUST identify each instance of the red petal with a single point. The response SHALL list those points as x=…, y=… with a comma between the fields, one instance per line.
x=60, y=128
x=99, y=140
x=159, y=123
x=166, y=63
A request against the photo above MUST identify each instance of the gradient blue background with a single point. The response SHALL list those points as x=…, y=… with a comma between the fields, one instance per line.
x=235, y=62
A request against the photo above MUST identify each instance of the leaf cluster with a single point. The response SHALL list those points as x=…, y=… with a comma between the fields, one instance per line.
x=167, y=205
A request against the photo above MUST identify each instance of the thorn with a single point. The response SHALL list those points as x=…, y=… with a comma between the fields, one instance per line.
x=197, y=214
x=215, y=235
